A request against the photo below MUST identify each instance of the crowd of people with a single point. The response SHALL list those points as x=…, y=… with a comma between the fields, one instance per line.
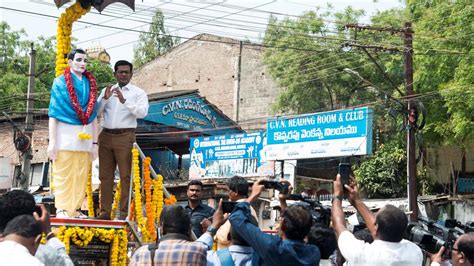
x=196, y=234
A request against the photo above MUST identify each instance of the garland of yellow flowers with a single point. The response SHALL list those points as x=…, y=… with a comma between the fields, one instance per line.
x=90, y=198
x=116, y=200
x=159, y=196
x=81, y=237
x=138, y=197
x=149, y=206
x=63, y=36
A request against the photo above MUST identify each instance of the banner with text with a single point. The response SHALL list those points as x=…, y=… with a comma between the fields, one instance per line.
x=229, y=155
x=329, y=134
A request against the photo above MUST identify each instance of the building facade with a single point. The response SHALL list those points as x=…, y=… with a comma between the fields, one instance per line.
x=227, y=72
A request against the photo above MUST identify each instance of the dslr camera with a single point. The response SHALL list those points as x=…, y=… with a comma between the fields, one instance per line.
x=282, y=187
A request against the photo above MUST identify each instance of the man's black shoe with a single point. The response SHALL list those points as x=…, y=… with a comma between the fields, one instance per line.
x=103, y=216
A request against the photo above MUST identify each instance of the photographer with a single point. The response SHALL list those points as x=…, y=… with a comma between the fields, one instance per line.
x=290, y=249
x=462, y=253
x=387, y=228
x=238, y=192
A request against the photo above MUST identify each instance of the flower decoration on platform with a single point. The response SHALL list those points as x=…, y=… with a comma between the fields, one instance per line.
x=138, y=197
x=81, y=237
x=63, y=37
x=149, y=206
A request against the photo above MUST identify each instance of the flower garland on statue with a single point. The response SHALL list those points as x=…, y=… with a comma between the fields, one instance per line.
x=138, y=197
x=116, y=200
x=90, y=197
x=83, y=116
x=81, y=237
x=63, y=37
x=149, y=206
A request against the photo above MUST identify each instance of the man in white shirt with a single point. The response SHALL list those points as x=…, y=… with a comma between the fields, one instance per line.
x=18, y=202
x=387, y=228
x=21, y=239
x=122, y=104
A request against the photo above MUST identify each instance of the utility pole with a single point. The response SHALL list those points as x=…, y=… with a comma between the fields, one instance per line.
x=27, y=155
x=411, y=125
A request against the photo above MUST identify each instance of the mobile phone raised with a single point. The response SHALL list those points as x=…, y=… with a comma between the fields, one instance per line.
x=228, y=206
x=282, y=187
x=344, y=171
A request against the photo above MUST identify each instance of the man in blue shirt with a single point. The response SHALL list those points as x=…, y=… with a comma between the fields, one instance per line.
x=198, y=211
x=290, y=249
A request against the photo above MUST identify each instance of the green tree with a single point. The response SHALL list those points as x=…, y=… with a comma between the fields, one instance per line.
x=154, y=43
x=383, y=175
x=444, y=68
x=103, y=73
x=14, y=70
x=306, y=58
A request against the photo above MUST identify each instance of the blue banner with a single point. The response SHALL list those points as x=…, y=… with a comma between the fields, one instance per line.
x=229, y=155
x=337, y=133
x=190, y=113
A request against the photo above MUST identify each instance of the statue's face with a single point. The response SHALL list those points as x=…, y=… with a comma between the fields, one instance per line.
x=78, y=64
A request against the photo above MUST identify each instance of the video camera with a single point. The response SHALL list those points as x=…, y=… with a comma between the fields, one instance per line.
x=282, y=187
x=430, y=236
x=321, y=214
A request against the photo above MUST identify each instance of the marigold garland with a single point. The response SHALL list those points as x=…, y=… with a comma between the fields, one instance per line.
x=146, y=237
x=63, y=37
x=116, y=200
x=171, y=200
x=159, y=197
x=81, y=237
x=83, y=116
x=90, y=196
x=150, y=214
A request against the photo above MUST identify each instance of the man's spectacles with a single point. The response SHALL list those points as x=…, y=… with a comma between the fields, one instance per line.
x=123, y=72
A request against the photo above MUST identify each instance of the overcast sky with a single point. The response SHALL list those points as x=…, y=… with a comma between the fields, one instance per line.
x=235, y=19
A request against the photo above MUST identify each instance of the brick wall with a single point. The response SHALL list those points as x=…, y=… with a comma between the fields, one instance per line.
x=212, y=68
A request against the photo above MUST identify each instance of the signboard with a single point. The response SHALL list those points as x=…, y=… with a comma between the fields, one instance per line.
x=329, y=134
x=189, y=112
x=229, y=155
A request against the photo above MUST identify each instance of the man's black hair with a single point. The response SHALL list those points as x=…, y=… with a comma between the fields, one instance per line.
x=174, y=219
x=73, y=53
x=298, y=222
x=391, y=223
x=239, y=185
x=13, y=204
x=123, y=63
x=364, y=235
x=24, y=225
x=323, y=237
x=237, y=239
x=466, y=245
x=195, y=183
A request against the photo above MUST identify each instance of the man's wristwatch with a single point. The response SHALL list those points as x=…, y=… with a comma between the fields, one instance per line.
x=336, y=197
x=212, y=230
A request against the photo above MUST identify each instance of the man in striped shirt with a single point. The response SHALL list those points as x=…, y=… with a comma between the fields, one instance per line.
x=175, y=247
